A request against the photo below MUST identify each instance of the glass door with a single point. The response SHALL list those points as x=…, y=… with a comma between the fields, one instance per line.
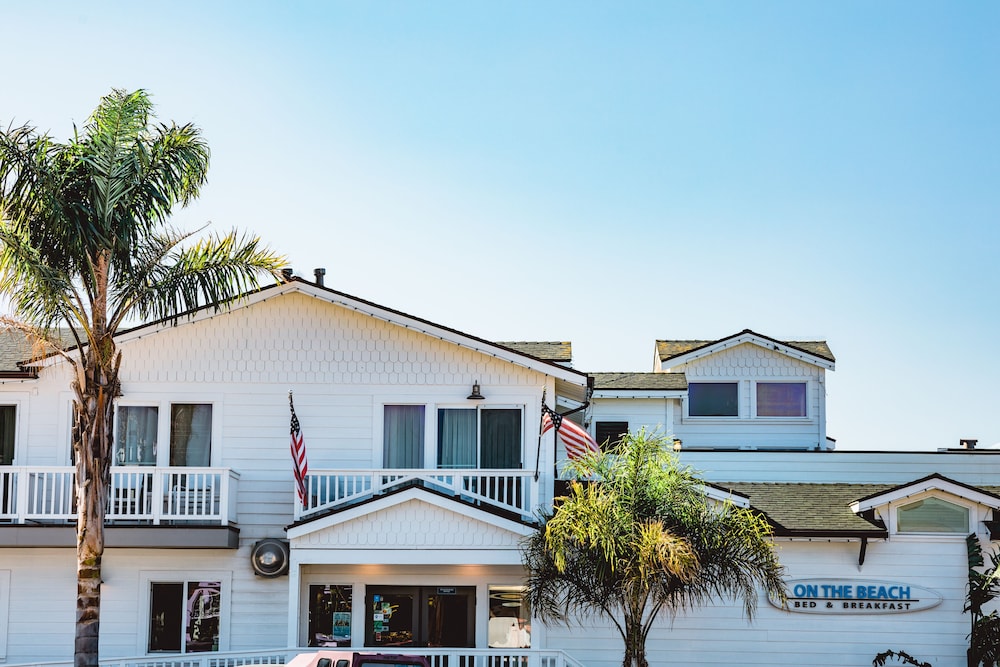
x=420, y=616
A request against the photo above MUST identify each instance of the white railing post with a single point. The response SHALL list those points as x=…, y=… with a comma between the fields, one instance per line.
x=22, y=494
x=157, y=494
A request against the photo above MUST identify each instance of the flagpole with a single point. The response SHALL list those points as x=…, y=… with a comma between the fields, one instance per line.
x=538, y=453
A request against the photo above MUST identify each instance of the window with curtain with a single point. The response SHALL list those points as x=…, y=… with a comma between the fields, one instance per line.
x=479, y=438
x=8, y=429
x=457, y=442
x=403, y=436
x=190, y=434
x=135, y=437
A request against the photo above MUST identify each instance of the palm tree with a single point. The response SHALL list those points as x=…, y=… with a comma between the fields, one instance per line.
x=84, y=246
x=983, y=589
x=639, y=536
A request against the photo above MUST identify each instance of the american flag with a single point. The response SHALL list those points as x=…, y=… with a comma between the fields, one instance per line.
x=300, y=466
x=577, y=441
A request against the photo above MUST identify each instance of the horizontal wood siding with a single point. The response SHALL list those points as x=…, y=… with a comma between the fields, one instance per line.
x=718, y=634
x=976, y=468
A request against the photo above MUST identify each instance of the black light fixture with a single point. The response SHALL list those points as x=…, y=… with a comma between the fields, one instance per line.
x=677, y=444
x=475, y=395
x=269, y=558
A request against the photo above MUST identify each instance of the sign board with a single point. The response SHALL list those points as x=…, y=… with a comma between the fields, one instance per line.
x=856, y=596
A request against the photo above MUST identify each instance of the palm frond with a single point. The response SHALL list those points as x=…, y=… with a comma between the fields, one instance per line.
x=638, y=536
x=214, y=271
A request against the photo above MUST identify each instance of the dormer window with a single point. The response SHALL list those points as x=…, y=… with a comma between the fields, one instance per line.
x=781, y=399
x=713, y=399
x=932, y=515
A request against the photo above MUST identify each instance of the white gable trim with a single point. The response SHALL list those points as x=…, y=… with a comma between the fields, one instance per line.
x=400, y=498
x=379, y=312
x=753, y=339
x=939, y=484
x=722, y=496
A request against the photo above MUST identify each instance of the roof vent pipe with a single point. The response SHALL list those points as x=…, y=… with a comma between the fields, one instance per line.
x=287, y=273
x=319, y=276
x=967, y=443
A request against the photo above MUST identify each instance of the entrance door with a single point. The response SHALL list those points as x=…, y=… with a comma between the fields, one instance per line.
x=420, y=616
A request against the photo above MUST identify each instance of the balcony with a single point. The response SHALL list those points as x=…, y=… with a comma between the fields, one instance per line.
x=33, y=497
x=510, y=492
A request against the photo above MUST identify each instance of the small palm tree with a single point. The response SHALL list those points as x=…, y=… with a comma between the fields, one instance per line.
x=639, y=537
x=84, y=246
x=983, y=588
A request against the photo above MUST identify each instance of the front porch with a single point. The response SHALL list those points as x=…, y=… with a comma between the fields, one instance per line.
x=437, y=657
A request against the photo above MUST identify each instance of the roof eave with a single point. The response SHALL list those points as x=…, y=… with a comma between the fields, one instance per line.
x=640, y=393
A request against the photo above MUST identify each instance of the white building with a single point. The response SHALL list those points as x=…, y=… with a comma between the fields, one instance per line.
x=425, y=471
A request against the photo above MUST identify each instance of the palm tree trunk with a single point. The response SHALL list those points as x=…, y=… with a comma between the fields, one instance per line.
x=635, y=645
x=92, y=440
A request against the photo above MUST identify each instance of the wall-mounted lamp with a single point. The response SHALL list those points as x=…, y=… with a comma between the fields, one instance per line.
x=677, y=444
x=475, y=395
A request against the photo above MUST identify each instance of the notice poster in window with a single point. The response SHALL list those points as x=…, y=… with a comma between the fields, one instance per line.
x=203, y=616
x=341, y=625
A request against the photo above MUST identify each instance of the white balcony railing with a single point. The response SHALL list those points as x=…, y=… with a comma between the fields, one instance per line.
x=514, y=491
x=136, y=494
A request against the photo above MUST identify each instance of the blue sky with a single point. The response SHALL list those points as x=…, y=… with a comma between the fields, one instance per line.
x=602, y=172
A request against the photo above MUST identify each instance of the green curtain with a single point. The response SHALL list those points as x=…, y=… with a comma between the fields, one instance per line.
x=500, y=438
x=8, y=428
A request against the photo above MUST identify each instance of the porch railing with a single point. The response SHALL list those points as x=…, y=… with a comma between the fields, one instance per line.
x=514, y=491
x=437, y=657
x=141, y=494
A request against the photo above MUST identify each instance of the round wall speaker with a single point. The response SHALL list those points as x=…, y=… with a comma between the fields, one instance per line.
x=269, y=558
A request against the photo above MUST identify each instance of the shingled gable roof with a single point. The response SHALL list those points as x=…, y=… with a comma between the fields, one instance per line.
x=811, y=510
x=296, y=284
x=612, y=382
x=17, y=350
x=679, y=351
x=560, y=352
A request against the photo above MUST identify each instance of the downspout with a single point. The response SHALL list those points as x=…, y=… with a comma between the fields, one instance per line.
x=861, y=554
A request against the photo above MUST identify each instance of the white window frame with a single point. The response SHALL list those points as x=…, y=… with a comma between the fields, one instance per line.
x=378, y=431
x=430, y=426
x=534, y=639
x=163, y=405
x=753, y=399
x=161, y=425
x=478, y=407
x=686, y=407
x=889, y=515
x=159, y=401
x=20, y=402
x=216, y=437
x=972, y=508
x=149, y=577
